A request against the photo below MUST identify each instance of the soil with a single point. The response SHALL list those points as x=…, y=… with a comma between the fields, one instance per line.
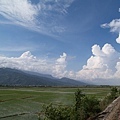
x=112, y=112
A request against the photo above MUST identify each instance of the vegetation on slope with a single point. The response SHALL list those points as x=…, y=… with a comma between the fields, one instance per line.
x=15, y=77
x=85, y=107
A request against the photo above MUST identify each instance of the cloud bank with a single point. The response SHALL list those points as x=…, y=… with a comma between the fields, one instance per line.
x=103, y=64
x=29, y=62
x=42, y=17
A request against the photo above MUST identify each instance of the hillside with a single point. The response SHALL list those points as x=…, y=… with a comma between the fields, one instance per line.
x=10, y=76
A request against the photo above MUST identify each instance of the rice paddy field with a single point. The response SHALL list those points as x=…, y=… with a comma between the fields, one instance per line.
x=26, y=103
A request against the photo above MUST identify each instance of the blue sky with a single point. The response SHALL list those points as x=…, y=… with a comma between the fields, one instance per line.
x=66, y=38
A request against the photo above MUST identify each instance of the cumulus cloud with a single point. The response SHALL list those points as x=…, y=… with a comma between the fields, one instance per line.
x=60, y=65
x=62, y=59
x=42, y=17
x=118, y=39
x=103, y=64
x=96, y=50
x=29, y=62
x=112, y=63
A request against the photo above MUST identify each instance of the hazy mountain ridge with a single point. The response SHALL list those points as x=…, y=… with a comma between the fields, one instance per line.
x=40, y=74
x=10, y=76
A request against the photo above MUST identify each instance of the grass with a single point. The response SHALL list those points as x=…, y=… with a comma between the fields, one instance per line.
x=29, y=101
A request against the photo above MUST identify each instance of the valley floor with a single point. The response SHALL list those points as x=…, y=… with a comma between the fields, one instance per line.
x=26, y=103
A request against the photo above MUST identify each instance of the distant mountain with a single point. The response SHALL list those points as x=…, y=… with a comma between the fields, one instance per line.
x=10, y=76
x=40, y=74
x=71, y=81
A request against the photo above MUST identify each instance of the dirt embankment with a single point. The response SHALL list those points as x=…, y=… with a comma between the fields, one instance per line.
x=112, y=112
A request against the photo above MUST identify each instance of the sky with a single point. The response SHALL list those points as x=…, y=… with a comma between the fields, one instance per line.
x=78, y=39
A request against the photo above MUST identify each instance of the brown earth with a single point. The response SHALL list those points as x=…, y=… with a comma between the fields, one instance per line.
x=112, y=112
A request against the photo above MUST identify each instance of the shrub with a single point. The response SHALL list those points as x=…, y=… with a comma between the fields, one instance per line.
x=53, y=112
x=109, y=98
x=84, y=108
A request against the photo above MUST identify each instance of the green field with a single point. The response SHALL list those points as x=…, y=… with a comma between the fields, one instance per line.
x=26, y=103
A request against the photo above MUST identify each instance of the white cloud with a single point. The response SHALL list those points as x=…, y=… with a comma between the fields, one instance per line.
x=62, y=59
x=60, y=66
x=27, y=55
x=96, y=50
x=42, y=17
x=19, y=11
x=118, y=39
x=104, y=64
x=108, y=49
x=114, y=25
x=29, y=62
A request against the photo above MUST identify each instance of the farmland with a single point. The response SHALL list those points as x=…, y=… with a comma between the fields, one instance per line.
x=25, y=103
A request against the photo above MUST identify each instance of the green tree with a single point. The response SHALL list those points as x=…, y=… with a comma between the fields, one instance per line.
x=119, y=91
x=89, y=107
x=78, y=103
x=53, y=112
x=114, y=93
x=84, y=108
x=78, y=99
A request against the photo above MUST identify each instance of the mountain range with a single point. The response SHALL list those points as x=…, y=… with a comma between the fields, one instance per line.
x=16, y=77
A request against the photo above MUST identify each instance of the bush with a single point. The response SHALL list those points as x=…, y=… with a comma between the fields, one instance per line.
x=53, y=112
x=84, y=108
x=109, y=98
